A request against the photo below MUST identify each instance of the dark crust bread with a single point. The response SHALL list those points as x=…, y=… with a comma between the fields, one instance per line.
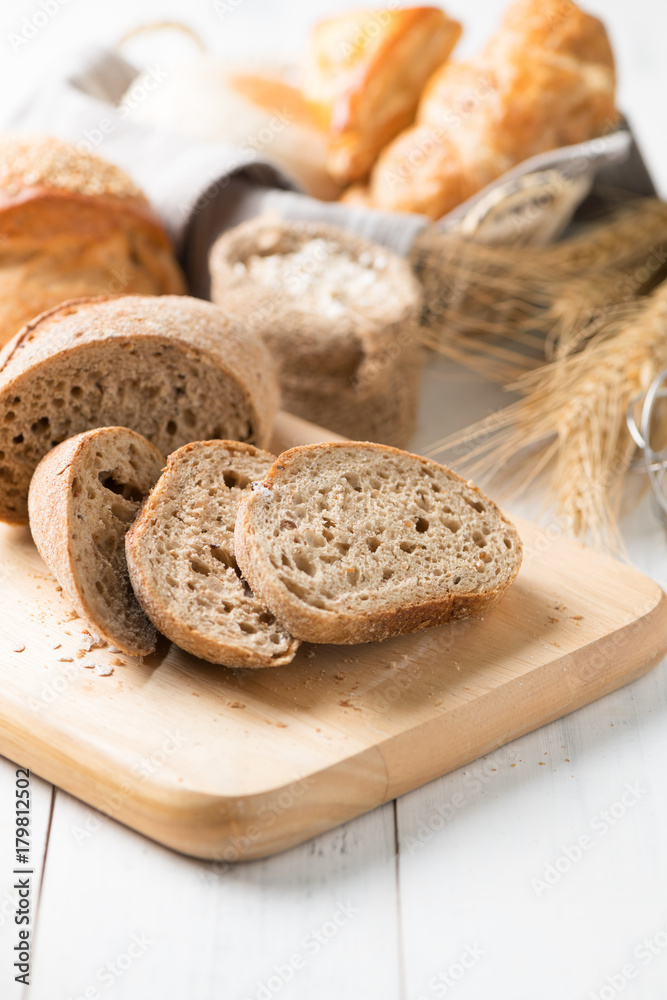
x=310, y=624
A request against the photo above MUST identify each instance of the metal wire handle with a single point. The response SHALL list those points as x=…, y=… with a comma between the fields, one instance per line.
x=654, y=462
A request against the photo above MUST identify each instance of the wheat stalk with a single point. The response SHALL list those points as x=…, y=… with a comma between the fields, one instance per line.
x=502, y=310
x=570, y=427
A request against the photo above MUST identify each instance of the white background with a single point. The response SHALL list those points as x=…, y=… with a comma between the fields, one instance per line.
x=420, y=893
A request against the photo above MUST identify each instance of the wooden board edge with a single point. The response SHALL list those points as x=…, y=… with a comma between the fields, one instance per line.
x=227, y=830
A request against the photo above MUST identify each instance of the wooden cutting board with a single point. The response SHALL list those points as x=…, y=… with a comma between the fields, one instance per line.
x=233, y=764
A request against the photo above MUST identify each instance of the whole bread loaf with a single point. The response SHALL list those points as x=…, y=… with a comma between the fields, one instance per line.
x=180, y=553
x=73, y=225
x=351, y=541
x=84, y=495
x=173, y=368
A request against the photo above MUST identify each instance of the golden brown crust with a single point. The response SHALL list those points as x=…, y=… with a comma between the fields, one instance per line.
x=73, y=225
x=311, y=624
x=363, y=76
x=42, y=161
x=545, y=80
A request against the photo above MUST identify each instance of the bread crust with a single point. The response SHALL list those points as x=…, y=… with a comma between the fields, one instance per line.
x=315, y=625
x=199, y=327
x=71, y=225
x=363, y=76
x=51, y=519
x=545, y=80
x=161, y=610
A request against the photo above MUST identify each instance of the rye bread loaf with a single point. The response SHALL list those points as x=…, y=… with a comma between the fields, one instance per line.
x=340, y=315
x=73, y=225
x=349, y=542
x=180, y=553
x=174, y=368
x=84, y=495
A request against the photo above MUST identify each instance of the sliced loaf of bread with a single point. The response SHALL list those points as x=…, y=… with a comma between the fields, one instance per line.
x=180, y=553
x=84, y=495
x=174, y=368
x=349, y=542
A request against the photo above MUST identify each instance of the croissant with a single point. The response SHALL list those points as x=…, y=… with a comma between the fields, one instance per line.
x=545, y=80
x=363, y=75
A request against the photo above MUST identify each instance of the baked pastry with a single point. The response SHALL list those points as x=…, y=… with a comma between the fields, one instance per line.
x=339, y=314
x=545, y=80
x=183, y=567
x=71, y=225
x=84, y=495
x=174, y=368
x=363, y=75
x=350, y=542
x=203, y=100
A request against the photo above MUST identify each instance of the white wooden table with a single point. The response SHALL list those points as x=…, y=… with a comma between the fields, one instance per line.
x=478, y=885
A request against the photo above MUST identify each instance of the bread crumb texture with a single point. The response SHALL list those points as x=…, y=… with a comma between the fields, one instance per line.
x=183, y=565
x=358, y=541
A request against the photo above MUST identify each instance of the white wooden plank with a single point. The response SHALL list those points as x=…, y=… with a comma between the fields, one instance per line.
x=302, y=924
x=40, y=810
x=493, y=865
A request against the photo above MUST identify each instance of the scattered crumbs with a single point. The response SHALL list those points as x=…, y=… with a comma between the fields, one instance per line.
x=56, y=645
x=494, y=768
x=318, y=730
x=71, y=616
x=91, y=641
x=578, y=618
x=19, y=647
x=542, y=763
x=65, y=659
x=611, y=723
x=281, y=725
x=340, y=677
x=346, y=703
x=88, y=666
x=103, y=670
x=59, y=589
x=236, y=704
x=557, y=644
x=553, y=620
x=567, y=760
x=114, y=649
x=310, y=653
x=261, y=488
x=117, y=662
x=195, y=694
x=546, y=752
x=512, y=765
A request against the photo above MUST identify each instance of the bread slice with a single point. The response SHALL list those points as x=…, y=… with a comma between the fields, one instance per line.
x=83, y=497
x=180, y=553
x=173, y=368
x=350, y=541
